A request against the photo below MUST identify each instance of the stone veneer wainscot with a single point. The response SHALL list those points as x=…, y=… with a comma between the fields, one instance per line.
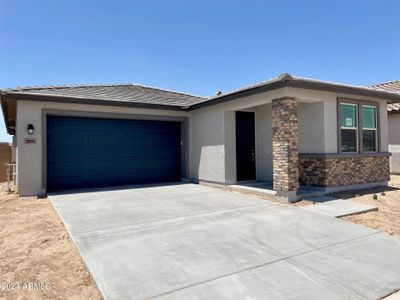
x=331, y=170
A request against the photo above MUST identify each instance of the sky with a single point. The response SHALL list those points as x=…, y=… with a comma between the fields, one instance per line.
x=198, y=47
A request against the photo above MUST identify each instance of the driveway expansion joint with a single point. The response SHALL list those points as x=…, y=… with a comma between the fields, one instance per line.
x=143, y=226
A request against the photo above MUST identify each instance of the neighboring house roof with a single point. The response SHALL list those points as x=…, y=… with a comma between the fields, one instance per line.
x=391, y=86
x=132, y=93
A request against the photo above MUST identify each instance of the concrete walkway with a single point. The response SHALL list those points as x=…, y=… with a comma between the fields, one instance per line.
x=188, y=241
x=265, y=189
x=334, y=207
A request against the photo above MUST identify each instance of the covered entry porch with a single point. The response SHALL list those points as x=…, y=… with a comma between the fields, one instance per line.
x=267, y=142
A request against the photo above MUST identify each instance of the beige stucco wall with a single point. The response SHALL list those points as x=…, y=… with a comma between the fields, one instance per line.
x=394, y=142
x=384, y=129
x=212, y=137
x=14, y=148
x=230, y=147
x=264, y=142
x=330, y=114
x=311, y=119
x=207, y=140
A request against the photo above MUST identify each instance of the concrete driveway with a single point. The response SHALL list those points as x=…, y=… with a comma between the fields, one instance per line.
x=188, y=241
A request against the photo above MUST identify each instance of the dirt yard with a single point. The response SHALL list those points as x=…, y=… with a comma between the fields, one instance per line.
x=387, y=218
x=37, y=259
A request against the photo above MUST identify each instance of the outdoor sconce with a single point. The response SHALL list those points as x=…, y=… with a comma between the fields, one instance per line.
x=30, y=129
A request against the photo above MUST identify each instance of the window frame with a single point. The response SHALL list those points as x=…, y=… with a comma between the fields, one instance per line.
x=370, y=129
x=356, y=128
x=359, y=104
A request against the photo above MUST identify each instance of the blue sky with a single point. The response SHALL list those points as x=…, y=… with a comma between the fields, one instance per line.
x=197, y=47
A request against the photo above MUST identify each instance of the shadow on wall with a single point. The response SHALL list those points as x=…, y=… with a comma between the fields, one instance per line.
x=207, y=156
x=212, y=163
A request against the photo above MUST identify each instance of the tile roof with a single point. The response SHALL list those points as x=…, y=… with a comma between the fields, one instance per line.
x=391, y=86
x=285, y=77
x=287, y=80
x=133, y=93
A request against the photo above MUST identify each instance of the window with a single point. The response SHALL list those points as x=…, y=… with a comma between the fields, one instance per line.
x=369, y=128
x=358, y=127
x=349, y=127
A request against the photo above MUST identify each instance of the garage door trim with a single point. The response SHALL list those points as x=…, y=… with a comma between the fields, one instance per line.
x=70, y=113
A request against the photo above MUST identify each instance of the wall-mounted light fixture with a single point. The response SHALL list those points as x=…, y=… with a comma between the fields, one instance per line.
x=30, y=129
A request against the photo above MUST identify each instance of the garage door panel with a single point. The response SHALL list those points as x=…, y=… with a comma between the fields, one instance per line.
x=88, y=152
x=66, y=168
x=152, y=150
x=65, y=182
x=145, y=177
x=61, y=124
x=154, y=165
x=103, y=165
x=144, y=139
x=106, y=138
x=101, y=151
x=56, y=139
x=64, y=154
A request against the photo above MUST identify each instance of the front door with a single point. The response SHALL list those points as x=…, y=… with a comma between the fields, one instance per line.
x=245, y=146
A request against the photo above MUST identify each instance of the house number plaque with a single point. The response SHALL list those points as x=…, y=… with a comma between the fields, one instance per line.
x=30, y=141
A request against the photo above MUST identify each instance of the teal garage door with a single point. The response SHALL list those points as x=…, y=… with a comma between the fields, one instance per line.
x=92, y=152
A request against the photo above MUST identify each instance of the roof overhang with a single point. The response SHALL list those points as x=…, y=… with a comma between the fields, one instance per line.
x=9, y=99
x=286, y=80
x=344, y=89
x=9, y=109
x=9, y=103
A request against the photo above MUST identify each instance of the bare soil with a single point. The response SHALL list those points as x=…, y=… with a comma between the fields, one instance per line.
x=35, y=248
x=387, y=217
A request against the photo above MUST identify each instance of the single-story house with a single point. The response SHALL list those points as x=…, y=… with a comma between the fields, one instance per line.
x=290, y=131
x=394, y=124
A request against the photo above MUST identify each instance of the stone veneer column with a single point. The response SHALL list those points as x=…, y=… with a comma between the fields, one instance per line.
x=285, y=147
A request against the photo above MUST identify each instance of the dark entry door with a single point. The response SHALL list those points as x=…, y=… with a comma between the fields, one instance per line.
x=245, y=146
x=91, y=152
